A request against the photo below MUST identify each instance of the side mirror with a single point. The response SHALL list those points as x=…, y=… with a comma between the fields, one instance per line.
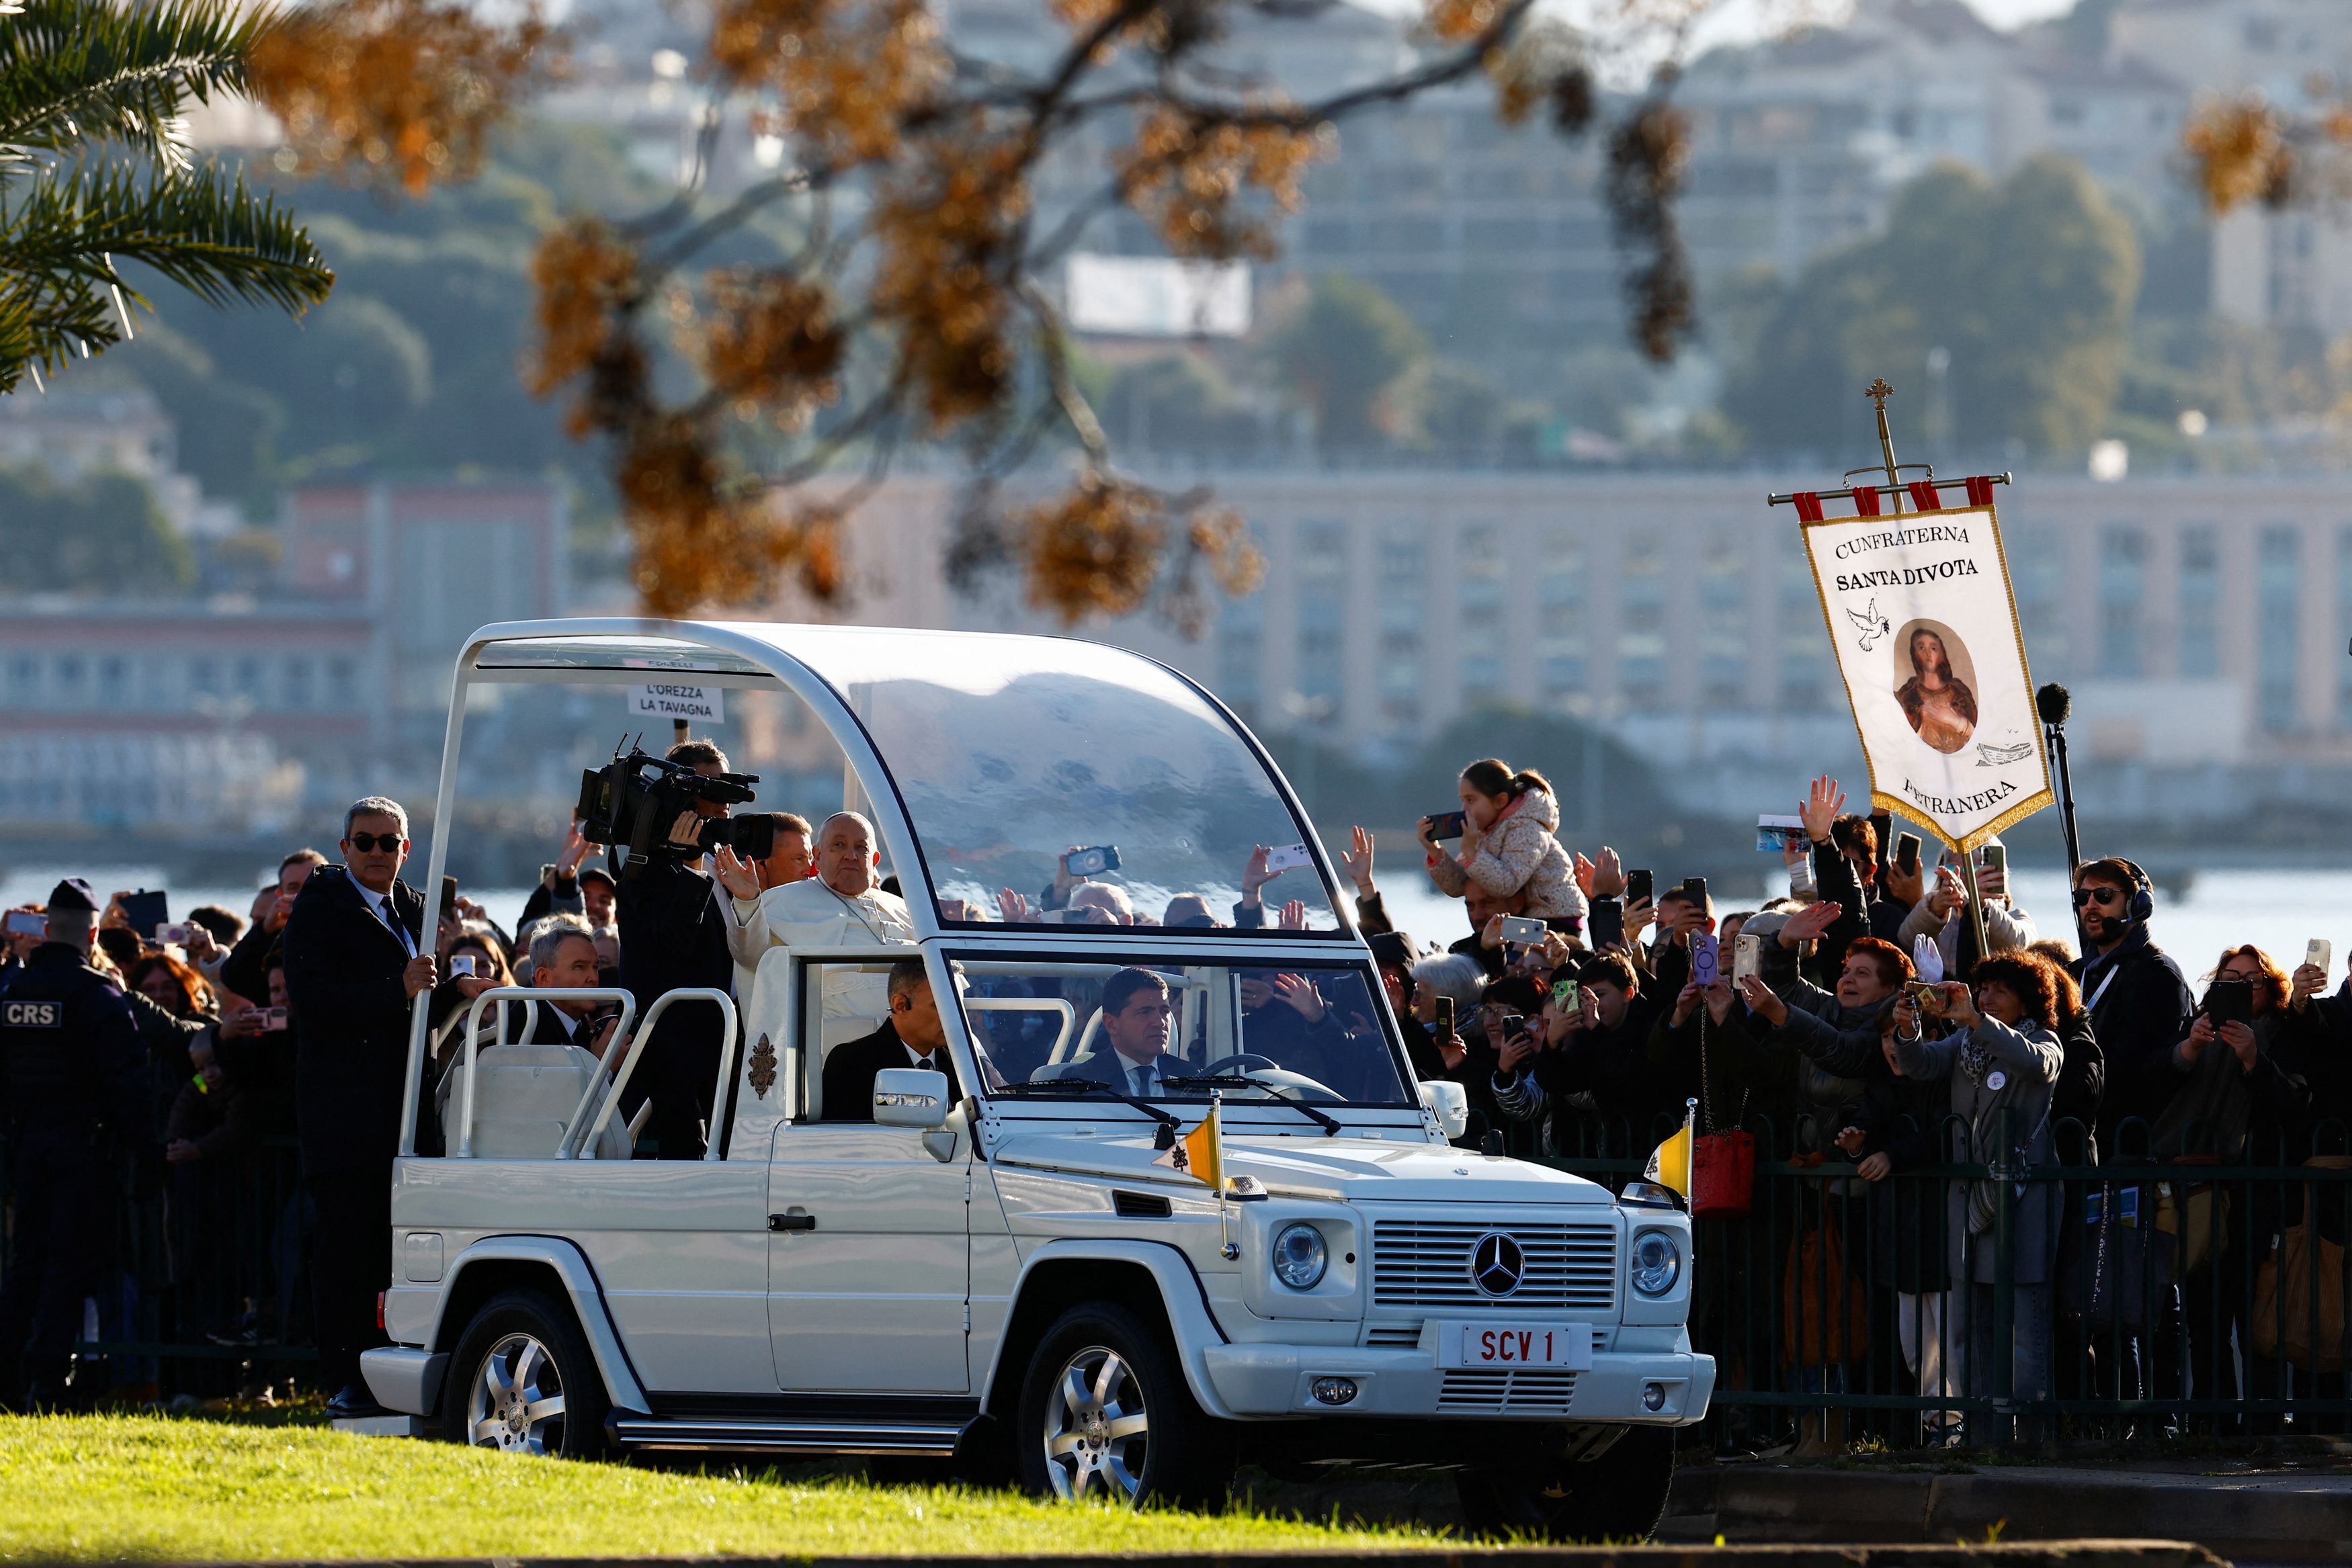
x=911, y=1097
x=1450, y=1104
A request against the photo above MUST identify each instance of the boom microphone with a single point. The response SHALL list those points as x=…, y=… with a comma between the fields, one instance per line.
x=2054, y=703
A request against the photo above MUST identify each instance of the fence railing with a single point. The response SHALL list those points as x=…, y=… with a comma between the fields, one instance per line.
x=203, y=1286
x=2135, y=1297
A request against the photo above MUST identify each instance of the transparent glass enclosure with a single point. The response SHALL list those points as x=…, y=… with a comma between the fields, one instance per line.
x=1177, y=1029
x=1009, y=752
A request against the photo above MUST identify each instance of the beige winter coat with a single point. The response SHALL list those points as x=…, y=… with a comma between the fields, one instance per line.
x=1519, y=851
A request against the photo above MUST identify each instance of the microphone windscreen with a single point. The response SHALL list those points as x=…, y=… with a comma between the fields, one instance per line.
x=2054, y=703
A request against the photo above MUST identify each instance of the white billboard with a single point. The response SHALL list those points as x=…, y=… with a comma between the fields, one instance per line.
x=1157, y=296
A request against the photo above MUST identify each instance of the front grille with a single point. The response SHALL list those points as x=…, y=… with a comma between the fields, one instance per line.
x=1426, y=1263
x=1394, y=1336
x=1529, y=1391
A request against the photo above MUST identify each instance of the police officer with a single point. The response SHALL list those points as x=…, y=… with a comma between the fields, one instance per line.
x=71, y=1072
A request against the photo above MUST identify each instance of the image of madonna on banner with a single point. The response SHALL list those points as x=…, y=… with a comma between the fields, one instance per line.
x=1919, y=609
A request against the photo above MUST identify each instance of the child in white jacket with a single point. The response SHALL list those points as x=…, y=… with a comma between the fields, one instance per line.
x=1506, y=842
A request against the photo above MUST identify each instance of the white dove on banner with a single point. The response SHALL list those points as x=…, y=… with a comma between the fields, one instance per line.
x=1870, y=623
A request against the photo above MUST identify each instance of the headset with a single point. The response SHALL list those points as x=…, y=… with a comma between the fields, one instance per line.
x=2143, y=898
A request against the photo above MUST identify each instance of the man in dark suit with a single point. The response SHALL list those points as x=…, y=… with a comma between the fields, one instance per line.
x=1133, y=1038
x=355, y=962
x=913, y=1038
x=564, y=955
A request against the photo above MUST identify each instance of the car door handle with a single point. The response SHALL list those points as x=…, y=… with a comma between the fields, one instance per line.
x=792, y=1222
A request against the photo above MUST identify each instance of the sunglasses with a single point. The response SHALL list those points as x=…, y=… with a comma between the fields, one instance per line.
x=368, y=843
x=2103, y=897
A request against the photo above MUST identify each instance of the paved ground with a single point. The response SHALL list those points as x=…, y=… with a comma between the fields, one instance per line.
x=2271, y=1510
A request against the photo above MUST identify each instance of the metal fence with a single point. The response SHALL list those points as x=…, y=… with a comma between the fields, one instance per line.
x=2134, y=1298
x=203, y=1287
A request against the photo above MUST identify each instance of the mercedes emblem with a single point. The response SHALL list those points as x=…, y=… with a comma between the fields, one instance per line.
x=1496, y=1264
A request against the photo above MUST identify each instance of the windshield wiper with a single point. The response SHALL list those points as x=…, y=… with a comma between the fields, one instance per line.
x=1236, y=1081
x=1054, y=1087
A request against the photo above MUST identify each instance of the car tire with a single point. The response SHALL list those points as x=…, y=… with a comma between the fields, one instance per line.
x=1105, y=1412
x=1619, y=1496
x=523, y=1381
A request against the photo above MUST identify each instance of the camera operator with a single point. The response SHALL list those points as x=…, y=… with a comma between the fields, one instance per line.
x=674, y=934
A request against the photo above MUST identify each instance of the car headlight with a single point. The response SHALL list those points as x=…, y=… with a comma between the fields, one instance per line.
x=1300, y=1257
x=1657, y=1263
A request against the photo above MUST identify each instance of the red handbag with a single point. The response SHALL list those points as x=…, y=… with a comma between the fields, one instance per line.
x=1723, y=1164
x=1723, y=1175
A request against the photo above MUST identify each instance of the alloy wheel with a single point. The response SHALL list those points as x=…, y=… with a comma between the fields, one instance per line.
x=516, y=1404
x=1097, y=1432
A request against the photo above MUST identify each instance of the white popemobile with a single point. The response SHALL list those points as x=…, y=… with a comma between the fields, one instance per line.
x=1019, y=1279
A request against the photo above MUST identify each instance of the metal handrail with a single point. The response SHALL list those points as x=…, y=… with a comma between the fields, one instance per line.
x=726, y=1004
x=500, y=994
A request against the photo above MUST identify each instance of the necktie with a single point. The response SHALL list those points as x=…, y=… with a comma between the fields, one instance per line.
x=1142, y=1080
x=384, y=912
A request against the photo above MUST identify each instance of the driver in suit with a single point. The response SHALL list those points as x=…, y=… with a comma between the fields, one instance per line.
x=1136, y=1015
x=913, y=1037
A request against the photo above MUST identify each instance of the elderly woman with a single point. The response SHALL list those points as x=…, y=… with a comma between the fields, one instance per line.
x=2001, y=1059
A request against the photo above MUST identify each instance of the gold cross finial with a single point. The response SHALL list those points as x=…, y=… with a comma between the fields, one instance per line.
x=1878, y=392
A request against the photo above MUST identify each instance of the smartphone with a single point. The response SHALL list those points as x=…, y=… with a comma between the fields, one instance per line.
x=1746, y=957
x=2319, y=953
x=176, y=933
x=1605, y=924
x=144, y=911
x=2229, y=1002
x=1447, y=824
x=1289, y=857
x=1442, y=1024
x=1524, y=930
x=1641, y=887
x=1097, y=861
x=1923, y=996
x=273, y=1019
x=1993, y=860
x=1706, y=958
x=27, y=923
x=1567, y=996
x=1907, y=855
x=1694, y=890
x=448, y=893
x=1514, y=1026
x=1774, y=834
x=461, y=964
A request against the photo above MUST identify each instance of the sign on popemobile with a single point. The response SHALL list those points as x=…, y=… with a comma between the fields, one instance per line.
x=1920, y=611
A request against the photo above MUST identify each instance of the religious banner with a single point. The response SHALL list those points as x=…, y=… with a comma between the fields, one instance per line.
x=1920, y=611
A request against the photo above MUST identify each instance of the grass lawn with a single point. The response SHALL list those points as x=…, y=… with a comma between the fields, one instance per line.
x=138, y=1486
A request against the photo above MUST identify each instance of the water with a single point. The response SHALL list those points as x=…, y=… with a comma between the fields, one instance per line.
x=2277, y=910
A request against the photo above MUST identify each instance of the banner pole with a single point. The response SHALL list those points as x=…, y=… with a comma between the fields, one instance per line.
x=1878, y=392
x=1975, y=903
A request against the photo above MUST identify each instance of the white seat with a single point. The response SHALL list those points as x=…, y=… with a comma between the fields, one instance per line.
x=524, y=1096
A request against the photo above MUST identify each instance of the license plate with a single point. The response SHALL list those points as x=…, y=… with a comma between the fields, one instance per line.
x=1492, y=1344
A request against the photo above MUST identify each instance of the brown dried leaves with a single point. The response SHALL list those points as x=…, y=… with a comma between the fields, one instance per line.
x=2240, y=154
x=401, y=93
x=847, y=74
x=1187, y=173
x=945, y=281
x=771, y=344
x=1096, y=551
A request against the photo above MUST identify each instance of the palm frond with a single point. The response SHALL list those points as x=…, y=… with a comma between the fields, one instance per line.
x=76, y=71
x=63, y=234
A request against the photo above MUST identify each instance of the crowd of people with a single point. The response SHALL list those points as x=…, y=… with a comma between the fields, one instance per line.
x=1886, y=1021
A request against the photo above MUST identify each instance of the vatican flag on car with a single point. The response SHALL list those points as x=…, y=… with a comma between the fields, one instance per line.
x=1200, y=1152
x=1670, y=1162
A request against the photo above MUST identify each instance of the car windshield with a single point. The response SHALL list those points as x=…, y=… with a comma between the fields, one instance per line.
x=1179, y=1027
x=1011, y=753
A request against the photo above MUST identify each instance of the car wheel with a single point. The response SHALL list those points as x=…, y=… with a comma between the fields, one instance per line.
x=523, y=1381
x=1618, y=1496
x=1105, y=1413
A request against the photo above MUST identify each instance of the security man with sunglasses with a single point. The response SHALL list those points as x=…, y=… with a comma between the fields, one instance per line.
x=356, y=956
x=73, y=1092
x=2141, y=1007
